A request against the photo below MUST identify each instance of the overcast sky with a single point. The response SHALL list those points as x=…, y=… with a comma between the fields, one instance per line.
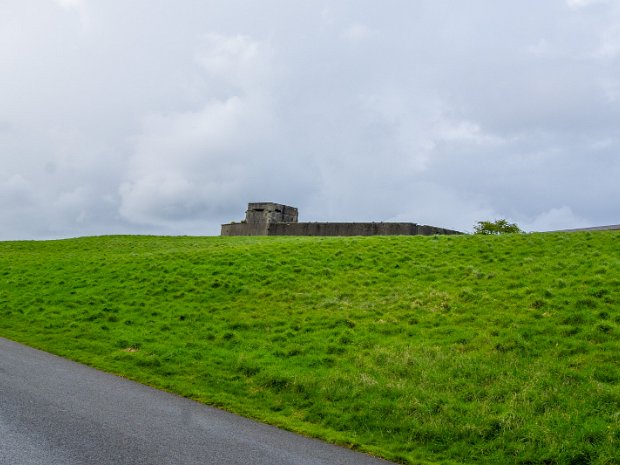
x=168, y=116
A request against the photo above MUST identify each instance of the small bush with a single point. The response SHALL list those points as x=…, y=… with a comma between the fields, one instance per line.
x=501, y=226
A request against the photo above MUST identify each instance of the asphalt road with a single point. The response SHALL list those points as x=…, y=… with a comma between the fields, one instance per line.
x=57, y=412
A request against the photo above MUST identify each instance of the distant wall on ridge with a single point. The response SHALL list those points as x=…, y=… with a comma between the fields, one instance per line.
x=354, y=229
x=272, y=219
x=611, y=227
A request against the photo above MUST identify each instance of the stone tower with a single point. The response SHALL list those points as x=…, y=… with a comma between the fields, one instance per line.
x=269, y=212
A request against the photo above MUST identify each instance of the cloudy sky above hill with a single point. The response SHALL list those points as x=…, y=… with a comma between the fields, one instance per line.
x=167, y=117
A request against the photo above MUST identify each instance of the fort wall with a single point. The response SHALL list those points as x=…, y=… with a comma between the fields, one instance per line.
x=353, y=229
x=244, y=229
x=271, y=219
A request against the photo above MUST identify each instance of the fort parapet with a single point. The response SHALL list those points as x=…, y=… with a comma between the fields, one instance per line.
x=273, y=219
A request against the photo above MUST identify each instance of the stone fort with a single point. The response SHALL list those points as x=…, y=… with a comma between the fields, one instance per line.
x=274, y=219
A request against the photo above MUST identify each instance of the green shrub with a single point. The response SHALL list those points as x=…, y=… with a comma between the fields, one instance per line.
x=500, y=226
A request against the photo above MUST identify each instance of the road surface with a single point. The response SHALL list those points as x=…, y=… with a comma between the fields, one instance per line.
x=57, y=412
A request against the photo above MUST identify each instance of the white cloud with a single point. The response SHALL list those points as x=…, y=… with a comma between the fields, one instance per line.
x=238, y=60
x=327, y=15
x=575, y=4
x=70, y=4
x=465, y=132
x=556, y=219
x=161, y=198
x=16, y=190
x=77, y=6
x=186, y=164
x=542, y=48
x=608, y=31
x=602, y=144
x=611, y=89
x=357, y=32
x=609, y=47
x=419, y=127
x=73, y=206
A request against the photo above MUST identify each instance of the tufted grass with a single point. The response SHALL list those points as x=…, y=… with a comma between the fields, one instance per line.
x=463, y=349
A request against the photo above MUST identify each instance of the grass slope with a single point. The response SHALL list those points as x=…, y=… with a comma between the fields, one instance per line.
x=468, y=349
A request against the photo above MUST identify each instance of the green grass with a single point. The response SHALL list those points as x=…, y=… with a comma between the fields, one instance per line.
x=463, y=349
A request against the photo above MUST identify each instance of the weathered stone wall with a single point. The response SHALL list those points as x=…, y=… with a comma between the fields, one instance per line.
x=342, y=229
x=354, y=229
x=274, y=219
x=425, y=230
x=244, y=229
x=332, y=229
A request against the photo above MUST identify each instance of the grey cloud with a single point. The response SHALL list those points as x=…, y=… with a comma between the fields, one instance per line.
x=169, y=117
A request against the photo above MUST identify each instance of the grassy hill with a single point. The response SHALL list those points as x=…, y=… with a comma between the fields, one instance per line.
x=463, y=349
